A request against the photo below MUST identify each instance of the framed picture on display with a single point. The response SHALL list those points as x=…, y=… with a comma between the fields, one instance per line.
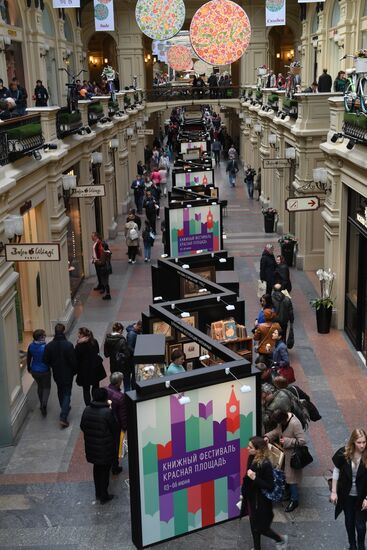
x=214, y=192
x=205, y=272
x=192, y=321
x=191, y=350
x=161, y=327
x=170, y=349
x=203, y=351
x=189, y=288
x=189, y=365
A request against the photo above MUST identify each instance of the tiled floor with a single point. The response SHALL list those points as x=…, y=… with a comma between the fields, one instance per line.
x=46, y=488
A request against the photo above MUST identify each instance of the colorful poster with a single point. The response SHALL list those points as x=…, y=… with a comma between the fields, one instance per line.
x=275, y=13
x=220, y=32
x=190, y=179
x=187, y=145
x=160, y=19
x=195, y=228
x=192, y=458
x=103, y=15
x=309, y=1
x=66, y=3
x=179, y=58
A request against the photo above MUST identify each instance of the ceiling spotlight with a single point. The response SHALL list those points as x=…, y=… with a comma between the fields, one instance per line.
x=245, y=388
x=203, y=289
x=185, y=266
x=185, y=314
x=157, y=298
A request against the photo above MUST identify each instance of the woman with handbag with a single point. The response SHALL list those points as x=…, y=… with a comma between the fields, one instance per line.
x=132, y=238
x=281, y=357
x=90, y=370
x=290, y=434
x=264, y=335
x=349, y=487
x=258, y=479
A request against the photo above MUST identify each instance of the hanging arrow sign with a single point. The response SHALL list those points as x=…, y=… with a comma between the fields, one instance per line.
x=302, y=204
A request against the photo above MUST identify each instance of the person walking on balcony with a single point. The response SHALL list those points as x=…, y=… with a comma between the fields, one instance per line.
x=23, y=95
x=40, y=94
x=213, y=85
x=4, y=92
x=340, y=82
x=325, y=82
x=60, y=357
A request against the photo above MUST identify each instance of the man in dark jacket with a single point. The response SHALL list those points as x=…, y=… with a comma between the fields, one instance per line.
x=138, y=186
x=120, y=412
x=99, y=427
x=283, y=309
x=325, y=82
x=232, y=169
x=40, y=94
x=60, y=356
x=268, y=266
x=151, y=208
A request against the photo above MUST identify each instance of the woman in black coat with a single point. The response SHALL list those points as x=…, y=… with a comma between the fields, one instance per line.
x=282, y=274
x=349, y=487
x=268, y=266
x=255, y=504
x=90, y=369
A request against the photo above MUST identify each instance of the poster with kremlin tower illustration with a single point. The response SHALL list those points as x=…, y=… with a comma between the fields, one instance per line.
x=194, y=229
x=192, y=458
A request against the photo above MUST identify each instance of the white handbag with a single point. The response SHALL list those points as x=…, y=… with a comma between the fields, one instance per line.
x=261, y=288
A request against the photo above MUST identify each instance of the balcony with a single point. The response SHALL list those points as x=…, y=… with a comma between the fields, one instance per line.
x=20, y=136
x=188, y=93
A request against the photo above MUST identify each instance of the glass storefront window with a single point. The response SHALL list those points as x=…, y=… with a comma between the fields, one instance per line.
x=352, y=268
x=75, y=249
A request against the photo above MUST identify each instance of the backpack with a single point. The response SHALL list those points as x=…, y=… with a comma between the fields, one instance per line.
x=133, y=234
x=277, y=494
x=123, y=358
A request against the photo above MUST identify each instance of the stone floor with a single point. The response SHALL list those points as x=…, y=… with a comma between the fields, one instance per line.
x=46, y=487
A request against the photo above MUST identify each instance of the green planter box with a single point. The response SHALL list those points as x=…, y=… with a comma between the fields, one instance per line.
x=70, y=118
x=25, y=131
x=273, y=98
x=288, y=103
x=95, y=108
x=356, y=120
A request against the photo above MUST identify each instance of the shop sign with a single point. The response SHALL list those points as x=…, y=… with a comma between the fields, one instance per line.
x=145, y=132
x=66, y=3
x=300, y=204
x=362, y=217
x=86, y=191
x=276, y=163
x=32, y=252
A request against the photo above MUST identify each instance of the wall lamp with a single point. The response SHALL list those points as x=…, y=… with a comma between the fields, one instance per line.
x=248, y=121
x=129, y=132
x=229, y=307
x=182, y=399
x=273, y=141
x=139, y=124
x=257, y=129
x=337, y=138
x=66, y=56
x=245, y=388
x=290, y=153
x=114, y=144
x=96, y=157
x=13, y=229
x=320, y=179
x=68, y=184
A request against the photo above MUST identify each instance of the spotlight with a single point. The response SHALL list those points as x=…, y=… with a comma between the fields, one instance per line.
x=229, y=307
x=244, y=388
x=37, y=155
x=157, y=298
x=351, y=143
x=183, y=314
x=203, y=289
x=185, y=266
x=182, y=399
x=164, y=255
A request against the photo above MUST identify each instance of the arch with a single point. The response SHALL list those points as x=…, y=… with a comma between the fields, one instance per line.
x=48, y=22
x=335, y=14
x=68, y=29
x=101, y=47
x=281, y=43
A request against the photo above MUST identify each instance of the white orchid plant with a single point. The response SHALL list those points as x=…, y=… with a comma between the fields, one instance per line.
x=326, y=278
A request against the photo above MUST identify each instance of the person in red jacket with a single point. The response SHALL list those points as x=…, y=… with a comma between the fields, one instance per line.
x=98, y=258
x=118, y=405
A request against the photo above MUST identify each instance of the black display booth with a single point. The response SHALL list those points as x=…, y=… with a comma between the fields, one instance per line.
x=188, y=441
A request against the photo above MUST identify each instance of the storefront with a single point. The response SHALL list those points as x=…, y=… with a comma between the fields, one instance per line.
x=356, y=272
x=74, y=238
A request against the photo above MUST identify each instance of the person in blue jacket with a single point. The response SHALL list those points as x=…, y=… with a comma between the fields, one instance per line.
x=280, y=352
x=40, y=372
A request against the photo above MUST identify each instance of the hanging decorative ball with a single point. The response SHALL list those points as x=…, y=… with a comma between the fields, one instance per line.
x=160, y=19
x=220, y=32
x=179, y=58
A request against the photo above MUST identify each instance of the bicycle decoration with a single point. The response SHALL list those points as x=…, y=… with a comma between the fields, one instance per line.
x=355, y=94
x=110, y=74
x=220, y=32
x=160, y=19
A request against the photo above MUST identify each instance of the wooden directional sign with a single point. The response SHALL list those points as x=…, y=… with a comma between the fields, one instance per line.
x=301, y=204
x=276, y=163
x=85, y=191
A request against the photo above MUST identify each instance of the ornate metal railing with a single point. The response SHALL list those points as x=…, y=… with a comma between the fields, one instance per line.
x=68, y=123
x=20, y=136
x=173, y=93
x=95, y=113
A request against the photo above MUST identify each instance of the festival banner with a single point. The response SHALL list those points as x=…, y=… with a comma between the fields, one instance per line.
x=66, y=3
x=192, y=458
x=191, y=179
x=275, y=13
x=195, y=228
x=103, y=15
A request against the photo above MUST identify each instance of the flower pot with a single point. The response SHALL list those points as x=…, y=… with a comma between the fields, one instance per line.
x=288, y=252
x=323, y=319
x=269, y=220
x=361, y=65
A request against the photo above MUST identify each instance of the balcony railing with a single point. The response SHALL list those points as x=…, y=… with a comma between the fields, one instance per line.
x=290, y=107
x=68, y=123
x=95, y=113
x=20, y=136
x=173, y=93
